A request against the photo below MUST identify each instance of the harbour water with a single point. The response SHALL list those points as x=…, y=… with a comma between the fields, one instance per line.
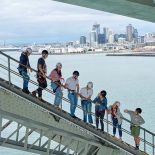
x=130, y=80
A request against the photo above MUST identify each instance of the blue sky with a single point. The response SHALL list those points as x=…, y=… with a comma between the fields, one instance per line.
x=47, y=21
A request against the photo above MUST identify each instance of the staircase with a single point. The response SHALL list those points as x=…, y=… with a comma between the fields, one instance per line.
x=28, y=124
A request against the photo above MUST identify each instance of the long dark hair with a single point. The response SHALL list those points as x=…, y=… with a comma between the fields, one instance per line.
x=58, y=72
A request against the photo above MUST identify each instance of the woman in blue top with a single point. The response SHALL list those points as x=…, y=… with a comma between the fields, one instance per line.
x=100, y=107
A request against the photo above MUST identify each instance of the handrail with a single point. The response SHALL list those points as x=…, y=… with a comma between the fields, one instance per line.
x=63, y=118
x=105, y=120
x=153, y=134
x=69, y=89
x=83, y=126
x=48, y=90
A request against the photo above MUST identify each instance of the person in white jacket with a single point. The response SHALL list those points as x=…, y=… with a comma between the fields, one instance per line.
x=116, y=117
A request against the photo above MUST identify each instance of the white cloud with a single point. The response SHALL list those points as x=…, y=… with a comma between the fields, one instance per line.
x=45, y=18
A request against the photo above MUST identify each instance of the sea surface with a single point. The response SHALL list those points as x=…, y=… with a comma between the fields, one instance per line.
x=130, y=80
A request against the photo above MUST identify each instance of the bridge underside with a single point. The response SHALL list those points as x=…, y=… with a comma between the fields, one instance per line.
x=34, y=129
x=140, y=9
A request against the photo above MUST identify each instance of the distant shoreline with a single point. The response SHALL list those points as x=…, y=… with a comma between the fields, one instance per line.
x=72, y=53
x=134, y=54
x=107, y=53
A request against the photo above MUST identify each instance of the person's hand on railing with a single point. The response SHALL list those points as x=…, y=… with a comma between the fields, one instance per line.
x=77, y=94
x=30, y=69
x=126, y=110
x=62, y=79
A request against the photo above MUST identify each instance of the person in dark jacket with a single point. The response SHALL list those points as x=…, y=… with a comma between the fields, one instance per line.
x=100, y=107
x=23, y=68
x=41, y=75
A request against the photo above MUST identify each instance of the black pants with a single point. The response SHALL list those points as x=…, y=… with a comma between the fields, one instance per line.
x=100, y=116
x=42, y=85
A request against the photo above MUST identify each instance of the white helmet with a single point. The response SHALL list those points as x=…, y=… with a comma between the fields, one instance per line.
x=59, y=64
x=90, y=85
x=29, y=50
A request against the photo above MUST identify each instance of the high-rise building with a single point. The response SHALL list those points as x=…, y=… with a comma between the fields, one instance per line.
x=83, y=40
x=116, y=36
x=101, y=39
x=96, y=28
x=129, y=32
x=121, y=40
x=110, y=37
x=135, y=35
x=93, y=39
x=150, y=37
x=142, y=40
x=106, y=33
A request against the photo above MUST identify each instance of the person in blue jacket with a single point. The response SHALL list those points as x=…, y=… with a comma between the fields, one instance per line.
x=100, y=108
x=23, y=67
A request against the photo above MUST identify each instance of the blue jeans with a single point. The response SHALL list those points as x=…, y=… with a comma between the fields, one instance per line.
x=26, y=78
x=116, y=125
x=86, y=106
x=73, y=102
x=58, y=94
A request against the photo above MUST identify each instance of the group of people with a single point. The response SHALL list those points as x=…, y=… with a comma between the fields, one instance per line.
x=74, y=91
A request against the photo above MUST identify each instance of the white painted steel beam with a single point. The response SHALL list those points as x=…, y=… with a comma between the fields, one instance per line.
x=18, y=109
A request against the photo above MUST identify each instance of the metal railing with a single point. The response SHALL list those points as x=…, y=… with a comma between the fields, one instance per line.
x=149, y=143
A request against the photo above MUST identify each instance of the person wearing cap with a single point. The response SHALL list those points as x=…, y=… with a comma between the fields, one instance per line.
x=41, y=75
x=23, y=68
x=116, y=117
x=100, y=108
x=86, y=94
x=136, y=122
x=72, y=84
x=56, y=77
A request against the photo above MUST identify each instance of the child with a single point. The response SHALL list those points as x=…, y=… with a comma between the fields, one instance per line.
x=136, y=121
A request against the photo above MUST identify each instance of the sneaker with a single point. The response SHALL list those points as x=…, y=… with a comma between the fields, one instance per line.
x=26, y=91
x=120, y=138
x=42, y=100
x=56, y=118
x=137, y=147
x=73, y=116
x=34, y=93
x=102, y=131
x=57, y=107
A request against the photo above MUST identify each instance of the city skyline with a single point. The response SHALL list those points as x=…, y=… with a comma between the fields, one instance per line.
x=43, y=21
